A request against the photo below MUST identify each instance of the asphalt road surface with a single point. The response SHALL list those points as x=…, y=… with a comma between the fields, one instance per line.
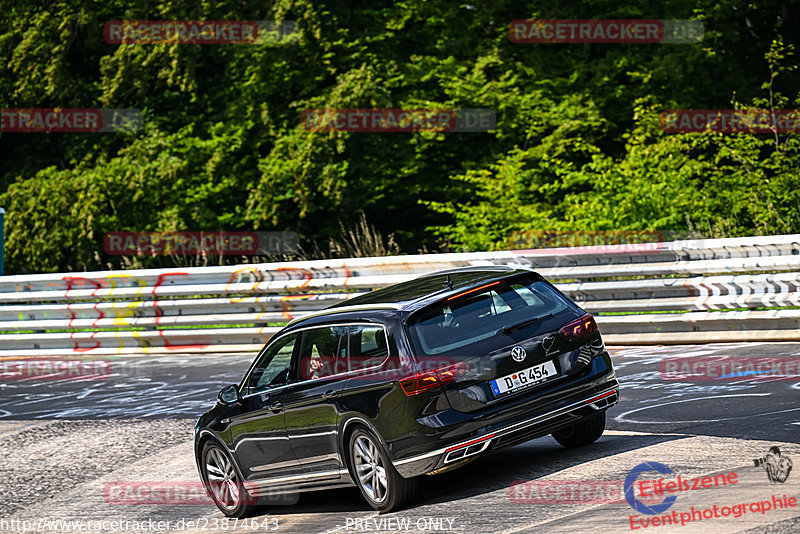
x=700, y=410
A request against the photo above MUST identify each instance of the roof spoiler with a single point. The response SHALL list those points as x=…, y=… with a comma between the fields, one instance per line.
x=472, y=268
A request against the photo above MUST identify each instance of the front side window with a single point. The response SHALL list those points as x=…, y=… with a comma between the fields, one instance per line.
x=272, y=368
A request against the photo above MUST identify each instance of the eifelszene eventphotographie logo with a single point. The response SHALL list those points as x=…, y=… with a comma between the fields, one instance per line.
x=776, y=465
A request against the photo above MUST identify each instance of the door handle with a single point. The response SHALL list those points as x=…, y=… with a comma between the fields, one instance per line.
x=330, y=394
x=276, y=407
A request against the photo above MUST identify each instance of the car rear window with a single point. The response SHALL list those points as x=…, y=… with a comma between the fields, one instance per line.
x=468, y=321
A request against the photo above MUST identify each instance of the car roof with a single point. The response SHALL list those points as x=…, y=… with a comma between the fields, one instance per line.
x=415, y=294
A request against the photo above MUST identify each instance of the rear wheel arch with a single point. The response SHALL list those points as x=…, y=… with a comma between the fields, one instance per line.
x=348, y=427
x=381, y=485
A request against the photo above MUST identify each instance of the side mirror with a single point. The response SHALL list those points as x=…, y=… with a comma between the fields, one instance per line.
x=229, y=395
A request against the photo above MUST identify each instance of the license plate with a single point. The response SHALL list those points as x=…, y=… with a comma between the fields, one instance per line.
x=524, y=378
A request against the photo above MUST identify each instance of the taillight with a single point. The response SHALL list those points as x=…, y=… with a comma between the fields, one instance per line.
x=423, y=381
x=414, y=385
x=579, y=327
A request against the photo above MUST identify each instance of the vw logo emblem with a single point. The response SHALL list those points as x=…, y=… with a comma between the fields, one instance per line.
x=518, y=354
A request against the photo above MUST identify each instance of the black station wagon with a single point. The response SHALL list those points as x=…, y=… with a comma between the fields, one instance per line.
x=413, y=379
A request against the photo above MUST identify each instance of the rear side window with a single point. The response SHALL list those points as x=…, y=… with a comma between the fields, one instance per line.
x=480, y=317
x=368, y=347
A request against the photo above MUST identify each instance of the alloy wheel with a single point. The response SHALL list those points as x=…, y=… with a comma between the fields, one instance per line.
x=222, y=479
x=370, y=469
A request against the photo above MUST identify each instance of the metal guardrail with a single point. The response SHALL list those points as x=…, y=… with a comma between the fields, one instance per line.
x=707, y=290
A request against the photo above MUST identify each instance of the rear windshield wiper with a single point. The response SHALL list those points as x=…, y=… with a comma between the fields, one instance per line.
x=511, y=328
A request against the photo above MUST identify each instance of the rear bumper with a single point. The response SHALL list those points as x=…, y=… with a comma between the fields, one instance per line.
x=509, y=434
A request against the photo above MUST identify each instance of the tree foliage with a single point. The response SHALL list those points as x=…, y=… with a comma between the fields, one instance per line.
x=577, y=145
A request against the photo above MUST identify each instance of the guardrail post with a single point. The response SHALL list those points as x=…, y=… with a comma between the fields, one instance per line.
x=2, y=237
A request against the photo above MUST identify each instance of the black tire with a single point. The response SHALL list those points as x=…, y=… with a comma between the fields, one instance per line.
x=223, y=482
x=382, y=486
x=583, y=433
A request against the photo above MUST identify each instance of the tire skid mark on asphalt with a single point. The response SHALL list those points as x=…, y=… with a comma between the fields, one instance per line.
x=9, y=428
x=655, y=403
x=87, y=501
x=46, y=459
x=174, y=386
x=622, y=418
